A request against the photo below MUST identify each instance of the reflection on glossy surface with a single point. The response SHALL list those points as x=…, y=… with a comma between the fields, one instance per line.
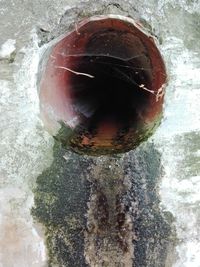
x=105, y=81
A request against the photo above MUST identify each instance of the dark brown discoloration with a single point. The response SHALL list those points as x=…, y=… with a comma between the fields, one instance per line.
x=102, y=215
x=122, y=227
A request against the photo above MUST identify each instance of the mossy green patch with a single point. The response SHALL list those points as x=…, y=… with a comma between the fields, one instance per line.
x=61, y=196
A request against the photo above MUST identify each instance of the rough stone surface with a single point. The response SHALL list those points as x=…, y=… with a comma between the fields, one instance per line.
x=104, y=211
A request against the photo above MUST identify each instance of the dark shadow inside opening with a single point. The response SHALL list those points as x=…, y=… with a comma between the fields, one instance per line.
x=110, y=89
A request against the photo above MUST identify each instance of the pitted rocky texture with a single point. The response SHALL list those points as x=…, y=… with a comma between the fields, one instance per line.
x=104, y=211
x=61, y=197
x=155, y=236
x=109, y=235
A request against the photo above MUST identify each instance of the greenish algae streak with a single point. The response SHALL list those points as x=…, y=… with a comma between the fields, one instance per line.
x=61, y=213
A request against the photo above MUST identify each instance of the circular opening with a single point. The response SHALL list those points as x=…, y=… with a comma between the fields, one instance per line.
x=101, y=81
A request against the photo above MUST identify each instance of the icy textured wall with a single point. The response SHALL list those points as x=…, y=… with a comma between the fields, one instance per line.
x=26, y=149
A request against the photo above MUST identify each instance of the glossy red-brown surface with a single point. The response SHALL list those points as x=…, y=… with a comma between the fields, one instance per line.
x=104, y=81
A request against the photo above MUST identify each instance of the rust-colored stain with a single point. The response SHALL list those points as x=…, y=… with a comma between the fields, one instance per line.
x=105, y=80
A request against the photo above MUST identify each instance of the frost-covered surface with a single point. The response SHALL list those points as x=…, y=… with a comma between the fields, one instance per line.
x=179, y=140
x=179, y=135
x=25, y=148
x=23, y=152
x=24, y=145
x=7, y=48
